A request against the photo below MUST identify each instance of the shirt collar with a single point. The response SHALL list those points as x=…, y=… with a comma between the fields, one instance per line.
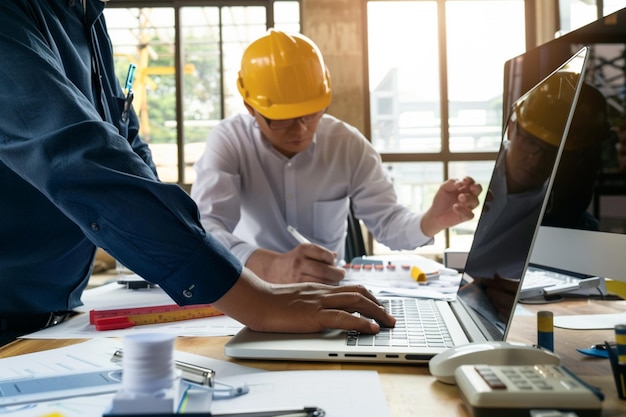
x=268, y=145
x=90, y=10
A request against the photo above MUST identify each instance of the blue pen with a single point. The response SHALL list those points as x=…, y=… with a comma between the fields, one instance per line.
x=130, y=78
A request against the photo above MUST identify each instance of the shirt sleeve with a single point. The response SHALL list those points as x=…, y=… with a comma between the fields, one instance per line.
x=217, y=188
x=62, y=144
x=375, y=202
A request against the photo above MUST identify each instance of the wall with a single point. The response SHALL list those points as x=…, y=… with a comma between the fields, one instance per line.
x=337, y=27
x=546, y=21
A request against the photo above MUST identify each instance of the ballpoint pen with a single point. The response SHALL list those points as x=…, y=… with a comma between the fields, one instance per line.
x=301, y=412
x=130, y=78
x=294, y=232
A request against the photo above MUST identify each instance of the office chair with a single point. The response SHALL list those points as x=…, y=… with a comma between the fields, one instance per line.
x=355, y=244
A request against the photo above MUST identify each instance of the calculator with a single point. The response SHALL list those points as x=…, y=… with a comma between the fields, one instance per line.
x=515, y=390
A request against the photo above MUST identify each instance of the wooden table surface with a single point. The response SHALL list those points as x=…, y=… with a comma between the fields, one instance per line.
x=410, y=390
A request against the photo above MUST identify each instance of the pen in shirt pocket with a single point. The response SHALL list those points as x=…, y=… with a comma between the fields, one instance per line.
x=130, y=78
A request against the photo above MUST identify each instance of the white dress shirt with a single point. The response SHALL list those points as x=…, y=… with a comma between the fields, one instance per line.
x=248, y=193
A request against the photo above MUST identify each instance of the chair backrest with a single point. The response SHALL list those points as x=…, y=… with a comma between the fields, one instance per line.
x=355, y=244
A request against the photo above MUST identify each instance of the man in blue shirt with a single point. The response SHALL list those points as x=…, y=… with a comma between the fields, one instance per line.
x=75, y=175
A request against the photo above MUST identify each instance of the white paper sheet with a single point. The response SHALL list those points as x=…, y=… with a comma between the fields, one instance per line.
x=339, y=393
x=442, y=283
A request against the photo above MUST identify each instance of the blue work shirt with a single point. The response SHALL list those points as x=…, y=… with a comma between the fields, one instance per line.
x=75, y=175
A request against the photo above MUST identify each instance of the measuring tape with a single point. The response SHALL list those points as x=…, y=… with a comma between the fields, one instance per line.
x=128, y=317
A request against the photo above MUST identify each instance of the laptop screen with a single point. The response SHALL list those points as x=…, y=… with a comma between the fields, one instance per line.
x=531, y=146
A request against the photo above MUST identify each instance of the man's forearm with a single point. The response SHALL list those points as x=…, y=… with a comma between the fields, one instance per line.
x=261, y=261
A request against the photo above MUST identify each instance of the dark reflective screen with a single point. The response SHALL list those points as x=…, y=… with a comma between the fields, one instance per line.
x=516, y=197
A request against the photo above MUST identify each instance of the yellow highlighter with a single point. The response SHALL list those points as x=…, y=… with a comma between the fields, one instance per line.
x=417, y=274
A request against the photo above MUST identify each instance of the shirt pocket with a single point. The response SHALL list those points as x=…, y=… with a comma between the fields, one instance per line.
x=329, y=222
x=122, y=111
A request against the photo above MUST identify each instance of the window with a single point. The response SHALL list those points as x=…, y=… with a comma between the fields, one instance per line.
x=435, y=79
x=577, y=13
x=177, y=113
x=436, y=97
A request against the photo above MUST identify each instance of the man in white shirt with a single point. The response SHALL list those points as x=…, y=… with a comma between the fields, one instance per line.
x=287, y=163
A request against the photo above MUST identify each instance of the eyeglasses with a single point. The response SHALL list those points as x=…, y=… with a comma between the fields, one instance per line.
x=281, y=124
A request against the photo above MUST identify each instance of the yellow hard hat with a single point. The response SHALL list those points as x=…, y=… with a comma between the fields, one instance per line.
x=544, y=111
x=590, y=123
x=283, y=76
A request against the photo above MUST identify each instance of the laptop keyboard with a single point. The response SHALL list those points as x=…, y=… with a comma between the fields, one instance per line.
x=535, y=278
x=418, y=324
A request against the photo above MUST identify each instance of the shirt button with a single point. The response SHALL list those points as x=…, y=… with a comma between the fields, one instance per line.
x=95, y=227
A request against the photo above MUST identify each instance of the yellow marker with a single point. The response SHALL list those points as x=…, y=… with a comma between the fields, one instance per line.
x=417, y=274
x=620, y=340
x=545, y=330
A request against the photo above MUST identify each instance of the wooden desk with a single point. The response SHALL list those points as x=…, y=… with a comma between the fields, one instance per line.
x=411, y=390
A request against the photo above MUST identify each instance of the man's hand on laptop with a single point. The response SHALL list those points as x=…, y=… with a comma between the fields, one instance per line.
x=302, y=308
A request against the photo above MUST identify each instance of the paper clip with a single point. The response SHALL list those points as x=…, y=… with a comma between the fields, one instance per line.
x=226, y=391
x=197, y=375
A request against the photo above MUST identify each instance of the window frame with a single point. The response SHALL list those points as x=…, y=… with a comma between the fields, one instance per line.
x=445, y=155
x=176, y=5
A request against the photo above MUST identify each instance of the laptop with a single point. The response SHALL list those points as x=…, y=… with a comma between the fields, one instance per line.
x=492, y=278
x=542, y=284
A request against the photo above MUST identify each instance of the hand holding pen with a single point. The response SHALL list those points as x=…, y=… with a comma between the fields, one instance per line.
x=297, y=235
x=306, y=262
